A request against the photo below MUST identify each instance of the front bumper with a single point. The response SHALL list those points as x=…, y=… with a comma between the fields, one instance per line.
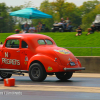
x=75, y=69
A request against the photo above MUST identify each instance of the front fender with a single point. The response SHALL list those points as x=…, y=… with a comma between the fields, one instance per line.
x=49, y=64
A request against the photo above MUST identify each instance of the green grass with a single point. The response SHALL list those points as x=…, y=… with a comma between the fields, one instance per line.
x=68, y=39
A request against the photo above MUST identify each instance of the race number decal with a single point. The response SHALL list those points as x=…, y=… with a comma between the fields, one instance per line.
x=10, y=61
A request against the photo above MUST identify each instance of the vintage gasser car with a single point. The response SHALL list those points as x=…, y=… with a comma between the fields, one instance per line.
x=37, y=55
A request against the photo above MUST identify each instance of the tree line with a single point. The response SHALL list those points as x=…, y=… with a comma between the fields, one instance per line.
x=82, y=16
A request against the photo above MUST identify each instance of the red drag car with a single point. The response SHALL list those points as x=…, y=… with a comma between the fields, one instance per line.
x=37, y=55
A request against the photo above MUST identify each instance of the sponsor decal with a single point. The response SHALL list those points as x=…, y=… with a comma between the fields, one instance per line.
x=25, y=63
x=10, y=61
x=66, y=52
x=26, y=58
x=50, y=68
x=70, y=60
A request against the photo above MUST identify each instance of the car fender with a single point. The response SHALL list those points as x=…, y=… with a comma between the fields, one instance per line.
x=49, y=63
x=79, y=63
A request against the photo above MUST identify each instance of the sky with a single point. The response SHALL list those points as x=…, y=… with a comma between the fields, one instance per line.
x=37, y=3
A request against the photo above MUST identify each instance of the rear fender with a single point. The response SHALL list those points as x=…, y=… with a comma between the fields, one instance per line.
x=49, y=64
x=79, y=63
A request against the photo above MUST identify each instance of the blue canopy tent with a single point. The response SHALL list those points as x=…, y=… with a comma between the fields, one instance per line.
x=30, y=13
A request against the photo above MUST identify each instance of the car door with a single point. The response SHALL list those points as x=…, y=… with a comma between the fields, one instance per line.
x=26, y=54
x=11, y=54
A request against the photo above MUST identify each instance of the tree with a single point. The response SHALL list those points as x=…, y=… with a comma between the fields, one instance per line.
x=73, y=12
x=4, y=15
x=88, y=6
x=18, y=21
x=90, y=17
x=45, y=7
x=59, y=7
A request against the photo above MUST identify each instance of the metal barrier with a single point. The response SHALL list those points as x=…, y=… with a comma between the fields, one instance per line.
x=87, y=51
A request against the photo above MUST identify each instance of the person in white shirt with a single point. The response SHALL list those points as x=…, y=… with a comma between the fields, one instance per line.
x=32, y=29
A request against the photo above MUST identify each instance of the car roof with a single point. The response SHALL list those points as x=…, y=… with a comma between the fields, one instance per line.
x=28, y=36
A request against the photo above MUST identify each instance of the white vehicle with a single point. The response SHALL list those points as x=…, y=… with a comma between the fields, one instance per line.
x=97, y=22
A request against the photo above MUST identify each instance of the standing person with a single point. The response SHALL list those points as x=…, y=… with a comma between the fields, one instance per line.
x=32, y=29
x=39, y=27
x=26, y=28
x=91, y=30
x=79, y=30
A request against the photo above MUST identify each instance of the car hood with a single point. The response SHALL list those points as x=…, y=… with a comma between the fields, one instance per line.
x=64, y=55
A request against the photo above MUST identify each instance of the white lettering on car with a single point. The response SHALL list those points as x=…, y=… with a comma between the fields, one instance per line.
x=11, y=61
x=18, y=62
x=6, y=54
x=3, y=60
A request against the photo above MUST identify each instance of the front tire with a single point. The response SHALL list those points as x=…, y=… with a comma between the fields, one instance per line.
x=37, y=72
x=64, y=76
x=5, y=75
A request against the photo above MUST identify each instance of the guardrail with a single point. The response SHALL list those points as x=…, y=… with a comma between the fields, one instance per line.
x=84, y=51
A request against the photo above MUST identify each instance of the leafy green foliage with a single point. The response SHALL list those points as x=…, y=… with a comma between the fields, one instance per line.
x=88, y=6
x=80, y=16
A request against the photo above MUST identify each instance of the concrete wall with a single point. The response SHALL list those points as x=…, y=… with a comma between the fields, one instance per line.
x=91, y=63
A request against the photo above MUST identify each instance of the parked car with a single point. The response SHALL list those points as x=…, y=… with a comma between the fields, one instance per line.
x=37, y=55
x=97, y=22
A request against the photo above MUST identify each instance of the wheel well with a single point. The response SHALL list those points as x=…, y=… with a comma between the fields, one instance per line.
x=36, y=61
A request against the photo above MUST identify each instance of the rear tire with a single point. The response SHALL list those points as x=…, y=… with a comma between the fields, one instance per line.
x=5, y=75
x=64, y=76
x=37, y=72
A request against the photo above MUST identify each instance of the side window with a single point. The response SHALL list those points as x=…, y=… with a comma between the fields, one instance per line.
x=12, y=43
x=41, y=42
x=49, y=42
x=24, y=44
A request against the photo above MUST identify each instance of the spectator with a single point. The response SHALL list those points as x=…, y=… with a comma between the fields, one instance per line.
x=68, y=22
x=17, y=30
x=39, y=27
x=62, y=20
x=91, y=30
x=32, y=29
x=79, y=30
x=26, y=28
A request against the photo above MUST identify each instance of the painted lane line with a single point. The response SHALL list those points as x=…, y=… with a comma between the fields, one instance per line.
x=54, y=88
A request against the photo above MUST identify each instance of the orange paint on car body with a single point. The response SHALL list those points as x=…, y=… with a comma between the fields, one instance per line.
x=26, y=49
